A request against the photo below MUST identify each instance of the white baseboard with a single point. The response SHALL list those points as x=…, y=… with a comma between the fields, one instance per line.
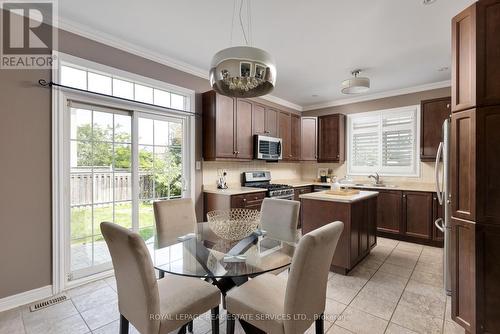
x=26, y=297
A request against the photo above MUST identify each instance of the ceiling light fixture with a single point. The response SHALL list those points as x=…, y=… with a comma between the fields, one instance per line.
x=243, y=71
x=428, y=2
x=355, y=85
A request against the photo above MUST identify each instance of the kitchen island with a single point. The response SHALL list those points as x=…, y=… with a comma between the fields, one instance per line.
x=359, y=215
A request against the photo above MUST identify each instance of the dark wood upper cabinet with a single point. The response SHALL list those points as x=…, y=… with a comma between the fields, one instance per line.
x=284, y=132
x=389, y=211
x=463, y=164
x=259, y=119
x=271, y=122
x=476, y=56
x=331, y=138
x=218, y=126
x=433, y=113
x=295, y=140
x=309, y=139
x=417, y=214
x=244, y=134
x=227, y=130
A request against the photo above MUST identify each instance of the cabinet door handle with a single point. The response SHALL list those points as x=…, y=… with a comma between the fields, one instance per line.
x=448, y=106
x=338, y=155
x=244, y=199
x=404, y=196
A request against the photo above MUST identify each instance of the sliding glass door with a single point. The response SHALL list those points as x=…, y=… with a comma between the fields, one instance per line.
x=120, y=162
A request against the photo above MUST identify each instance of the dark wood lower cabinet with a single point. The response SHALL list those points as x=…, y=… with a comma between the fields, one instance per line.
x=389, y=211
x=214, y=201
x=296, y=197
x=417, y=214
x=409, y=216
x=463, y=268
x=359, y=234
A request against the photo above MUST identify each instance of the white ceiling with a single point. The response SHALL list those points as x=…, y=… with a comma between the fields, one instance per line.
x=398, y=43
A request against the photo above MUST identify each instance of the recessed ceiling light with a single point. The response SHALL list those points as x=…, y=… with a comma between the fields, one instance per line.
x=428, y=2
x=443, y=69
x=315, y=95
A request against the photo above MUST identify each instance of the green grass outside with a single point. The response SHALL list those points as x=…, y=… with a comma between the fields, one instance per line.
x=81, y=220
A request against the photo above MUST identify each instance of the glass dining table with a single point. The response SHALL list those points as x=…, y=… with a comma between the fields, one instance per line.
x=224, y=263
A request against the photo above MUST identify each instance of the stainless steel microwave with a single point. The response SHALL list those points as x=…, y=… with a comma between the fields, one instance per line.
x=267, y=148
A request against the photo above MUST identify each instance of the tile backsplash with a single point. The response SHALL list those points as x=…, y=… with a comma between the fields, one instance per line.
x=298, y=171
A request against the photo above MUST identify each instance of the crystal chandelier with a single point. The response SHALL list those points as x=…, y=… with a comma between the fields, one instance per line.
x=243, y=71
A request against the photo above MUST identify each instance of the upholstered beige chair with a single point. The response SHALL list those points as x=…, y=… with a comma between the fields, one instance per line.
x=279, y=218
x=154, y=307
x=277, y=306
x=174, y=218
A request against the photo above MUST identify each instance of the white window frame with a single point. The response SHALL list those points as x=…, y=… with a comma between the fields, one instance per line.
x=61, y=156
x=385, y=171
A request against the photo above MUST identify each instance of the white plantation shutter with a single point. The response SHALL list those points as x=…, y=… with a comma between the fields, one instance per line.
x=365, y=142
x=384, y=142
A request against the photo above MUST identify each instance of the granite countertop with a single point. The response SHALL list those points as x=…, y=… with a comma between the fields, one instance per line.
x=232, y=190
x=323, y=196
x=408, y=186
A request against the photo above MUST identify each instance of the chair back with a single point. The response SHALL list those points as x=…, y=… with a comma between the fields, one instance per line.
x=138, y=296
x=307, y=280
x=173, y=218
x=280, y=217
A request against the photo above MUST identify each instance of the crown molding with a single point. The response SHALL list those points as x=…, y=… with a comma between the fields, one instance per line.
x=280, y=101
x=123, y=45
x=381, y=95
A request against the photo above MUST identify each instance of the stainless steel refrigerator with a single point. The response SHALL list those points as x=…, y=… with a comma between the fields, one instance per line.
x=442, y=173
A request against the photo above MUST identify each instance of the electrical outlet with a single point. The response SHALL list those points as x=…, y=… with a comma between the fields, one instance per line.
x=197, y=165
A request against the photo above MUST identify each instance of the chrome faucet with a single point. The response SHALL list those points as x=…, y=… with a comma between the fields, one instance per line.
x=376, y=177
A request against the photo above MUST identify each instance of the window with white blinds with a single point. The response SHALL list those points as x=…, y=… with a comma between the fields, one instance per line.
x=384, y=141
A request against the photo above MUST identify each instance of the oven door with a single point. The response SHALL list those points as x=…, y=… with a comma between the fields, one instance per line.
x=290, y=197
x=267, y=148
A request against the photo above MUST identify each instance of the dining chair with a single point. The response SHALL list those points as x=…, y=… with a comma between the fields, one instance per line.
x=154, y=306
x=279, y=218
x=280, y=306
x=173, y=219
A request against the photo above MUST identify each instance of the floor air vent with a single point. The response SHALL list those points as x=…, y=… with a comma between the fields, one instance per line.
x=48, y=302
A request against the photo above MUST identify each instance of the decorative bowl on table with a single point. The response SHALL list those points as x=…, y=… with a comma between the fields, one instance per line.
x=234, y=224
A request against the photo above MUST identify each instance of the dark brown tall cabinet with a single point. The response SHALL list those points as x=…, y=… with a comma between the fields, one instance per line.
x=309, y=139
x=331, y=138
x=475, y=164
x=433, y=113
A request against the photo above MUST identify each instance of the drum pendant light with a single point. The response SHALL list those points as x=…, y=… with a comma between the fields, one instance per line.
x=243, y=71
x=355, y=85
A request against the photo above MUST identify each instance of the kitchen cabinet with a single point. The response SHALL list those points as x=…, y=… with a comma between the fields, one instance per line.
x=296, y=135
x=215, y=201
x=463, y=273
x=226, y=131
x=475, y=162
x=284, y=132
x=243, y=133
x=358, y=235
x=265, y=120
x=271, y=122
x=309, y=139
x=389, y=214
x=408, y=216
x=331, y=138
x=296, y=197
x=476, y=56
x=463, y=164
x=259, y=119
x=417, y=214
x=433, y=113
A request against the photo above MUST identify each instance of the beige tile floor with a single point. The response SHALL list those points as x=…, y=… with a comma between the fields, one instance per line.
x=396, y=289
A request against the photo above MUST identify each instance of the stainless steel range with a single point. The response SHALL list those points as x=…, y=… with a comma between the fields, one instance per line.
x=262, y=179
